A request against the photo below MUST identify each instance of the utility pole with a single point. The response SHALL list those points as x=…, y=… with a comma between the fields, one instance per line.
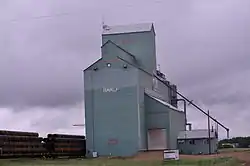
x=209, y=136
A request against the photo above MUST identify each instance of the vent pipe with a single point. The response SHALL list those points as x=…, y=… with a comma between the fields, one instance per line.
x=209, y=136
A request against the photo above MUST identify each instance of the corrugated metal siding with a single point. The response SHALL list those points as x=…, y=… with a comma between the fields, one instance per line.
x=194, y=134
x=157, y=120
x=110, y=112
x=200, y=146
x=160, y=115
x=164, y=91
x=145, y=80
x=88, y=99
x=177, y=124
x=143, y=134
x=157, y=115
x=176, y=121
x=127, y=114
x=112, y=115
x=108, y=77
x=154, y=85
x=141, y=45
x=155, y=88
x=110, y=51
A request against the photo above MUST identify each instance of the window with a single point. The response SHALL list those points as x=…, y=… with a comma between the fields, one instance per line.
x=181, y=141
x=192, y=142
x=205, y=141
x=125, y=66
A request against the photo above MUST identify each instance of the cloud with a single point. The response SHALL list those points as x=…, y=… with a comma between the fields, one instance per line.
x=42, y=63
x=227, y=102
x=44, y=120
x=228, y=115
x=202, y=46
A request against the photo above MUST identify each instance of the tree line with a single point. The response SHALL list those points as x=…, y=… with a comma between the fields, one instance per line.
x=239, y=142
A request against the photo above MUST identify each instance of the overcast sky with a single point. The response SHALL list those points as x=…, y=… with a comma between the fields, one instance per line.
x=202, y=46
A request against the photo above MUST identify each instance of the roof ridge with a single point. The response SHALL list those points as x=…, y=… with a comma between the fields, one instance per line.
x=128, y=28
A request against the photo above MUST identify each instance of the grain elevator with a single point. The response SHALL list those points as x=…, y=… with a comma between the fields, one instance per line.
x=128, y=107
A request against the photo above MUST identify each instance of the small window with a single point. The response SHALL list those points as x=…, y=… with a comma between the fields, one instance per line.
x=205, y=141
x=181, y=141
x=125, y=66
x=192, y=142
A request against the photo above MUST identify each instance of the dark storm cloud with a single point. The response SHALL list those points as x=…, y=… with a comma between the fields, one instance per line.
x=43, y=120
x=208, y=41
x=41, y=58
x=202, y=46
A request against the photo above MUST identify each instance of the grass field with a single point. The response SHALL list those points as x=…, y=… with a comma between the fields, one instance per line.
x=116, y=162
x=234, y=150
x=227, y=157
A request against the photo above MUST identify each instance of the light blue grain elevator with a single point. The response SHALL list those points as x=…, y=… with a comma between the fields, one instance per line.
x=128, y=107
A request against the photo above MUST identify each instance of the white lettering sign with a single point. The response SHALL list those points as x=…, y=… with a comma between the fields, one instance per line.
x=109, y=90
x=171, y=154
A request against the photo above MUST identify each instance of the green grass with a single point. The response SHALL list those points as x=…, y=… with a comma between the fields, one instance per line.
x=225, y=161
x=116, y=162
x=226, y=150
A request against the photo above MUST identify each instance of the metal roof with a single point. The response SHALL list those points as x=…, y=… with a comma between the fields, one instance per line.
x=161, y=101
x=196, y=134
x=118, y=29
x=153, y=93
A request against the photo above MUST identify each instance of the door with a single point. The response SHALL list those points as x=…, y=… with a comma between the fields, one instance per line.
x=157, y=139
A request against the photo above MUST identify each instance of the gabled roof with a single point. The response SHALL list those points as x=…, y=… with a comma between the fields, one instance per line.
x=92, y=64
x=109, y=41
x=196, y=134
x=119, y=29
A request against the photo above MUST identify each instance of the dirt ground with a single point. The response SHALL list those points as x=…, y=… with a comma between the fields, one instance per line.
x=242, y=156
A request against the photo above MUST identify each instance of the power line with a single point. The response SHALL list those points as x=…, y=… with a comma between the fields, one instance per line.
x=39, y=17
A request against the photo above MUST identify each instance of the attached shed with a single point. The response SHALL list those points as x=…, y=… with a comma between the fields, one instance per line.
x=163, y=123
x=197, y=141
